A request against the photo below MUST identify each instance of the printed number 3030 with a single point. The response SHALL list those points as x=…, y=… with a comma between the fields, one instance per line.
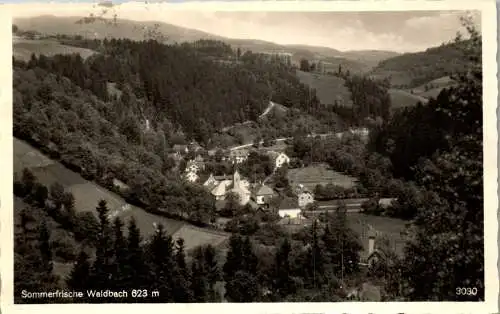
x=466, y=291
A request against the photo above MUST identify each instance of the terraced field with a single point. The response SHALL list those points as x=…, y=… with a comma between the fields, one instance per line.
x=24, y=48
x=88, y=194
x=328, y=88
x=434, y=87
x=401, y=98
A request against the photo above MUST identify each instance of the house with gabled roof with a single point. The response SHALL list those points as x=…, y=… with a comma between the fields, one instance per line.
x=262, y=194
x=279, y=158
x=180, y=149
x=289, y=208
x=304, y=196
x=211, y=181
x=237, y=156
x=191, y=177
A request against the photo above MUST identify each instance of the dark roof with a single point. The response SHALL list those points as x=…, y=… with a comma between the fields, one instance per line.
x=303, y=189
x=263, y=190
x=372, y=233
x=377, y=252
x=239, y=152
x=289, y=203
x=179, y=147
x=221, y=178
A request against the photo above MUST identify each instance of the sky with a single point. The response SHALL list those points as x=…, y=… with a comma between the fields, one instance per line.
x=404, y=31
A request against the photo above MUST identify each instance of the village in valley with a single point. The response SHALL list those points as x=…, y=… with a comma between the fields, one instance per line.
x=294, y=205
x=224, y=170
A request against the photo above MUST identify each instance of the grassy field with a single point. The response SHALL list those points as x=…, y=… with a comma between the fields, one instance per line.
x=87, y=195
x=319, y=174
x=194, y=236
x=328, y=88
x=434, y=87
x=24, y=48
x=401, y=98
x=390, y=228
x=25, y=156
x=397, y=78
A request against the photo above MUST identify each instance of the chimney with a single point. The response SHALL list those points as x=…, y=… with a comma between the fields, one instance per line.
x=371, y=243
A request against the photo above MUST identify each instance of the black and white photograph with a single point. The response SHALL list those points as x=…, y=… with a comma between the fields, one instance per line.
x=253, y=155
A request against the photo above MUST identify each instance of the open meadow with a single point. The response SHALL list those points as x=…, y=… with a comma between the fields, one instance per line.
x=328, y=88
x=26, y=157
x=401, y=98
x=24, y=48
x=319, y=174
x=384, y=227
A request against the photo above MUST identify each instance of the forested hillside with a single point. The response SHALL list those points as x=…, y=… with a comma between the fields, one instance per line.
x=440, y=147
x=63, y=105
x=414, y=69
x=198, y=96
x=118, y=113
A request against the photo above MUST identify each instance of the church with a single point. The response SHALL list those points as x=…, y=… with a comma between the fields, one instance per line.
x=220, y=187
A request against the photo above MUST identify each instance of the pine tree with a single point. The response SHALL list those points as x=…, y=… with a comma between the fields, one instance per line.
x=28, y=179
x=315, y=260
x=40, y=195
x=135, y=260
x=79, y=278
x=45, y=247
x=68, y=201
x=234, y=257
x=249, y=259
x=283, y=283
x=102, y=266
x=181, y=275
x=199, y=276
x=57, y=194
x=119, y=264
x=213, y=272
x=162, y=265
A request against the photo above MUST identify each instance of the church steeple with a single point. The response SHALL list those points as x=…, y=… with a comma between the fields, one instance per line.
x=236, y=178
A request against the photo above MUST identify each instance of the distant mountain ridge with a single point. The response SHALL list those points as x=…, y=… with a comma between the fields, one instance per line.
x=411, y=70
x=357, y=61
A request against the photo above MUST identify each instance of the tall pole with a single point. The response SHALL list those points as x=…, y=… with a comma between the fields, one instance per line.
x=342, y=257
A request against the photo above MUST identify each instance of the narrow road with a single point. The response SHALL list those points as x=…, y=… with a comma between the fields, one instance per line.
x=351, y=208
x=339, y=134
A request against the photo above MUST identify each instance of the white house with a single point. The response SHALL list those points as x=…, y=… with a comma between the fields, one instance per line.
x=304, y=196
x=290, y=213
x=238, y=156
x=281, y=160
x=289, y=208
x=192, y=167
x=211, y=181
x=192, y=177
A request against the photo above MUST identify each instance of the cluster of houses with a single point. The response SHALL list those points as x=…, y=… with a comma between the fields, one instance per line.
x=237, y=156
x=256, y=194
